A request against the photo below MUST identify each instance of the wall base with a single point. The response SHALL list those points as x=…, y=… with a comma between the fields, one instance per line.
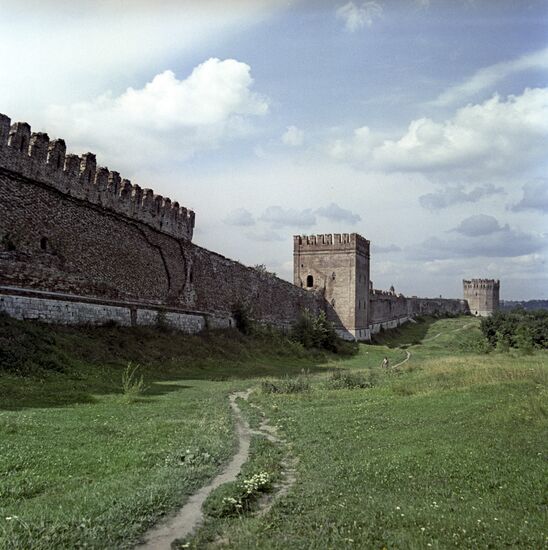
x=385, y=325
x=66, y=309
x=481, y=313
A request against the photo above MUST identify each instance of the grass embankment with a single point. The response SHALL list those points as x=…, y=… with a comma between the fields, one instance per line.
x=448, y=451
x=445, y=451
x=84, y=464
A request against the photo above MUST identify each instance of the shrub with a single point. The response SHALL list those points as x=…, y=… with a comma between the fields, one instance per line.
x=473, y=342
x=240, y=312
x=161, y=323
x=346, y=379
x=133, y=385
x=523, y=340
x=288, y=384
x=519, y=328
x=315, y=331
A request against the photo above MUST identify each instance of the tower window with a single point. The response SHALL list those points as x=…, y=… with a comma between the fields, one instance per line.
x=333, y=275
x=309, y=281
x=44, y=243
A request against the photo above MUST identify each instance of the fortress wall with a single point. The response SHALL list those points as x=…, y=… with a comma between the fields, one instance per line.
x=79, y=244
x=388, y=310
x=66, y=236
x=34, y=156
x=94, y=252
x=73, y=310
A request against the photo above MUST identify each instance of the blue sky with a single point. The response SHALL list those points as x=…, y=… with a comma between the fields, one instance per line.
x=420, y=124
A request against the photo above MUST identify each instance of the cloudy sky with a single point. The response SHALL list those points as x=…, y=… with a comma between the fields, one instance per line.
x=420, y=124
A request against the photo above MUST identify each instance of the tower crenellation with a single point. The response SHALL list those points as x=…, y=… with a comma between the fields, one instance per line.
x=35, y=156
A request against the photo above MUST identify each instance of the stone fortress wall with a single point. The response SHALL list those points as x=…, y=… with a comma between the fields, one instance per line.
x=338, y=267
x=79, y=244
x=482, y=296
x=389, y=310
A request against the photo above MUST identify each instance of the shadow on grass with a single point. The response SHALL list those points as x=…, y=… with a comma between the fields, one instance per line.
x=57, y=366
x=410, y=334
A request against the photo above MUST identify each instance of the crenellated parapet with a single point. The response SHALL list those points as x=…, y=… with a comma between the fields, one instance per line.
x=476, y=284
x=331, y=243
x=33, y=155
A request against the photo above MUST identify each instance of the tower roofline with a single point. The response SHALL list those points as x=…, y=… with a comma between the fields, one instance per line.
x=330, y=242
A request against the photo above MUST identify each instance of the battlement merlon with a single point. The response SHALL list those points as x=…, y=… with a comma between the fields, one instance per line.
x=343, y=242
x=36, y=157
x=481, y=283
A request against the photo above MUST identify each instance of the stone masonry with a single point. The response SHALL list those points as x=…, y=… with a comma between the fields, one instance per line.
x=79, y=244
x=337, y=266
x=482, y=296
x=69, y=228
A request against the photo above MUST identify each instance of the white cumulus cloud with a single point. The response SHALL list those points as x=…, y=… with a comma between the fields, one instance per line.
x=457, y=194
x=501, y=243
x=335, y=213
x=279, y=217
x=167, y=117
x=356, y=17
x=496, y=135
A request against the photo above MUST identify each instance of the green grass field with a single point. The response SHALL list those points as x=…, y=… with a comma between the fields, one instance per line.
x=449, y=450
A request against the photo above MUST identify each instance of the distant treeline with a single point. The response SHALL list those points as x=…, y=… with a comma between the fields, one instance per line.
x=518, y=328
x=529, y=305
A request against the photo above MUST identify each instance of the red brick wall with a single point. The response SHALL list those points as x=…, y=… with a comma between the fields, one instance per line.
x=93, y=251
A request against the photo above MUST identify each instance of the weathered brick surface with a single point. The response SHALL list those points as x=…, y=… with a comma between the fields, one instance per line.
x=62, y=312
x=337, y=266
x=91, y=251
x=482, y=296
x=52, y=309
x=34, y=156
x=69, y=227
x=99, y=248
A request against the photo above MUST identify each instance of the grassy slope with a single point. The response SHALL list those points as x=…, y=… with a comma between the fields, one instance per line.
x=448, y=452
x=81, y=466
x=455, y=438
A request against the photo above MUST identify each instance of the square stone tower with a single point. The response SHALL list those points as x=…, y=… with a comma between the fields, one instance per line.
x=338, y=267
x=482, y=296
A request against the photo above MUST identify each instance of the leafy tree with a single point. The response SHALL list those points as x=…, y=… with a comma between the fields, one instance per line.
x=518, y=328
x=315, y=331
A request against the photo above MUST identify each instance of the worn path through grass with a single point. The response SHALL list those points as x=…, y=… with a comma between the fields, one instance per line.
x=449, y=451
x=84, y=465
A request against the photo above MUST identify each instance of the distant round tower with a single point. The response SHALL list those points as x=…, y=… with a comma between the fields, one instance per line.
x=482, y=296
